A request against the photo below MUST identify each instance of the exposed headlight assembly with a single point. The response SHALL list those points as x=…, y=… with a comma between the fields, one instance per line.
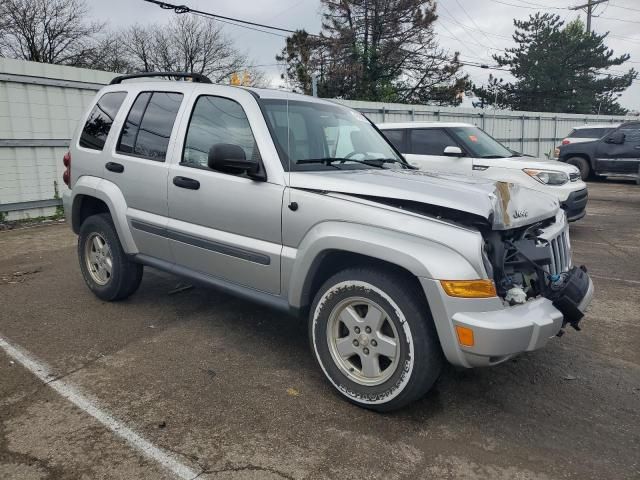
x=547, y=177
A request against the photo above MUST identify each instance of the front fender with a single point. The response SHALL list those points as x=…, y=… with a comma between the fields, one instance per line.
x=422, y=257
x=112, y=196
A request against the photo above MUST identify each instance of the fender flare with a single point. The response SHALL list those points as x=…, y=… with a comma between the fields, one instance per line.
x=112, y=196
x=421, y=257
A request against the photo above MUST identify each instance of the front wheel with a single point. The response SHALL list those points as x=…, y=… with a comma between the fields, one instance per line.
x=373, y=336
x=583, y=166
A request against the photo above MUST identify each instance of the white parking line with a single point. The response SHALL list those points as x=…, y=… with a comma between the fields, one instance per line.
x=71, y=393
x=615, y=279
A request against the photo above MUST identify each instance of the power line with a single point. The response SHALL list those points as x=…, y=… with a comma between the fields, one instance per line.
x=536, y=7
x=239, y=25
x=452, y=18
x=589, y=9
x=625, y=8
x=184, y=9
x=474, y=22
x=259, y=27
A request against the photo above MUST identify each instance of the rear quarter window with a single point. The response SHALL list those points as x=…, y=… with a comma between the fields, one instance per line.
x=589, y=132
x=96, y=128
x=148, y=127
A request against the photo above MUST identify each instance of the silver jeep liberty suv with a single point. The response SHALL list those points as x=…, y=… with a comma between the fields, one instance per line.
x=301, y=204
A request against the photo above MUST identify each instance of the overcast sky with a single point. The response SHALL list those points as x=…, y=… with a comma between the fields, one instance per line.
x=475, y=28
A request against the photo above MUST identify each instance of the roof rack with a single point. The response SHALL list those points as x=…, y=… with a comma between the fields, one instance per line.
x=195, y=77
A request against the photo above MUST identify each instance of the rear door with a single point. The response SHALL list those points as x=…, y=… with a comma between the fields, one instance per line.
x=426, y=151
x=137, y=165
x=624, y=158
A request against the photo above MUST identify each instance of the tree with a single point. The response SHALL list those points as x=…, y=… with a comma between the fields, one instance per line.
x=381, y=50
x=189, y=44
x=50, y=31
x=558, y=68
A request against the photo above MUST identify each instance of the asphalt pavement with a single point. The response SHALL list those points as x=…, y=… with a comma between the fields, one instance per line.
x=185, y=383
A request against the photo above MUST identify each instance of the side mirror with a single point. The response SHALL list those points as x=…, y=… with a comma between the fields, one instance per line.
x=452, y=151
x=615, y=138
x=229, y=158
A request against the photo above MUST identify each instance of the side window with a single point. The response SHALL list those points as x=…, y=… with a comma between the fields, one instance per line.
x=149, y=124
x=396, y=137
x=96, y=129
x=216, y=120
x=631, y=133
x=431, y=141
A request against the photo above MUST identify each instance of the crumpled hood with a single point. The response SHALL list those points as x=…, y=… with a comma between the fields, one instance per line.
x=504, y=205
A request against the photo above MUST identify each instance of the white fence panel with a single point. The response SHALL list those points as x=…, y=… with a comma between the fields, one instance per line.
x=40, y=105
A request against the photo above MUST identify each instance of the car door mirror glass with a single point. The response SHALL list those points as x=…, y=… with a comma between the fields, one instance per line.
x=229, y=158
x=452, y=151
x=616, y=138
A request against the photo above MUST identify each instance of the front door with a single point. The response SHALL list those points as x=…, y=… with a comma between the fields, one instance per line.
x=222, y=224
x=426, y=151
x=623, y=158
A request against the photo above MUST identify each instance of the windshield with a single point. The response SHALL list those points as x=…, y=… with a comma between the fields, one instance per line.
x=317, y=136
x=480, y=144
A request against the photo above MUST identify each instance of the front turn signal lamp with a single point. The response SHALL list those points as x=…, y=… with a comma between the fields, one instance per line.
x=469, y=288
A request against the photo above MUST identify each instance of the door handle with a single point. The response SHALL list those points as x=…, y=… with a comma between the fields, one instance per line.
x=184, y=182
x=115, y=167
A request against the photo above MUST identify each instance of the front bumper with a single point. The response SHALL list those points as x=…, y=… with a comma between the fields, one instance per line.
x=500, y=332
x=575, y=205
x=504, y=333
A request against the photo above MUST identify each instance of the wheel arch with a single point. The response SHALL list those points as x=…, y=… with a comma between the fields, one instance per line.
x=93, y=195
x=334, y=246
x=331, y=261
x=583, y=155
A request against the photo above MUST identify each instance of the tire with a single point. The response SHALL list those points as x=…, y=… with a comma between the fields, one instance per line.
x=99, y=247
x=402, y=316
x=583, y=166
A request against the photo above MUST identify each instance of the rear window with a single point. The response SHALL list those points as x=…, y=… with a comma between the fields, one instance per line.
x=148, y=127
x=590, y=132
x=96, y=129
x=396, y=137
x=430, y=141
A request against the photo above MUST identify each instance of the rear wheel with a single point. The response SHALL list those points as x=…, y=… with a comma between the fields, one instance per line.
x=373, y=336
x=105, y=267
x=583, y=166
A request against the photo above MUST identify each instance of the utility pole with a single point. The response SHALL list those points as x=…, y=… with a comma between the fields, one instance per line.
x=589, y=6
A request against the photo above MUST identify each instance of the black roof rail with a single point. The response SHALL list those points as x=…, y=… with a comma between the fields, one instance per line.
x=195, y=77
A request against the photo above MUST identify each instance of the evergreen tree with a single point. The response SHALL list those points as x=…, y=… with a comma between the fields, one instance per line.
x=381, y=50
x=558, y=68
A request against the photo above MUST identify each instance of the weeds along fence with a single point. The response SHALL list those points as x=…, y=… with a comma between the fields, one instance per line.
x=40, y=105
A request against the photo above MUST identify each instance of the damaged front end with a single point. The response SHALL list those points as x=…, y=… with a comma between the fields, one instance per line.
x=535, y=261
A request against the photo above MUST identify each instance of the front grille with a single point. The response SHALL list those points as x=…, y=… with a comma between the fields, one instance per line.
x=574, y=177
x=557, y=235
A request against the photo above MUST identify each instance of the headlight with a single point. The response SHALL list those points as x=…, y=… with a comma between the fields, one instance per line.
x=547, y=177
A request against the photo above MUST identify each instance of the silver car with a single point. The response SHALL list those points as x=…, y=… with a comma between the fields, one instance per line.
x=301, y=204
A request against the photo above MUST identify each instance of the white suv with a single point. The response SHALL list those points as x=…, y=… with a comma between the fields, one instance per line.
x=465, y=149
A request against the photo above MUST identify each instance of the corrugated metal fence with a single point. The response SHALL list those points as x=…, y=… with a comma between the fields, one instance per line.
x=40, y=105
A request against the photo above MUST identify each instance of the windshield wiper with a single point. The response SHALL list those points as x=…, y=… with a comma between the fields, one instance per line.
x=329, y=161
x=392, y=160
x=492, y=156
